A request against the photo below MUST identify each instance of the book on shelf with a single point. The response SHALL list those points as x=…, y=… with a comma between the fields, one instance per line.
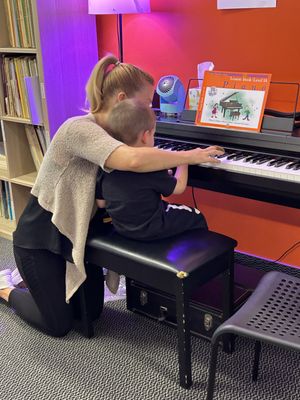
x=4, y=203
x=34, y=99
x=10, y=209
x=233, y=100
x=9, y=20
x=19, y=23
x=3, y=165
x=16, y=30
x=1, y=202
x=20, y=73
x=41, y=137
x=12, y=205
x=13, y=91
x=2, y=156
x=34, y=146
x=27, y=10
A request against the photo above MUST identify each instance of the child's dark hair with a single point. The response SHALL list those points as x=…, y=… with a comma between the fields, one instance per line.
x=128, y=118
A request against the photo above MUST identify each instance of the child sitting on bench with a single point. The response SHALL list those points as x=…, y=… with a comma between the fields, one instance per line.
x=134, y=200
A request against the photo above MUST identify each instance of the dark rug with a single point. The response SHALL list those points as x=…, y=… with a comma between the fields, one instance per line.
x=131, y=357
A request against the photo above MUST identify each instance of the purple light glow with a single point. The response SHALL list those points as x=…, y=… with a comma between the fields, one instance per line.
x=119, y=6
x=183, y=257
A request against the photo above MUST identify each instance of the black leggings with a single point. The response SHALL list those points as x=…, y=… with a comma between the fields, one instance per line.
x=43, y=305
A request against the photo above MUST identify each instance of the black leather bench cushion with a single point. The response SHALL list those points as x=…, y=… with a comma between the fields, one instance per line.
x=158, y=262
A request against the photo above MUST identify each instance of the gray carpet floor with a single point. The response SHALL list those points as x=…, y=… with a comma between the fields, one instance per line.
x=130, y=358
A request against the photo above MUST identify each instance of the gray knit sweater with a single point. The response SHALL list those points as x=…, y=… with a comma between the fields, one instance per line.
x=66, y=182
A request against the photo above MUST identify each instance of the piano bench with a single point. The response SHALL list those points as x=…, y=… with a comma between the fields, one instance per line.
x=174, y=265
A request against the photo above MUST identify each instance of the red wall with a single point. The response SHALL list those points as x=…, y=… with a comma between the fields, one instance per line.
x=178, y=35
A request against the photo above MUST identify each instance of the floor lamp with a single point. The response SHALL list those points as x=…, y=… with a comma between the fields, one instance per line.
x=119, y=7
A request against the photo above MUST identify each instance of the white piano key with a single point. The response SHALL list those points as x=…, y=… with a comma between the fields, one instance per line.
x=263, y=170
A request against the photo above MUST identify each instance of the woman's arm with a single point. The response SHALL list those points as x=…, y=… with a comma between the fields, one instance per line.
x=147, y=159
x=87, y=140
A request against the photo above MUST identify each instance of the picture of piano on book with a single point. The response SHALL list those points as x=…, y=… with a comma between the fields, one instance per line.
x=233, y=100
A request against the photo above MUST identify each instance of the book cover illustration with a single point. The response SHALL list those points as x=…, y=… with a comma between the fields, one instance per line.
x=233, y=100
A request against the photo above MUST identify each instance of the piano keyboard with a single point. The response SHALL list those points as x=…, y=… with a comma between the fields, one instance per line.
x=245, y=162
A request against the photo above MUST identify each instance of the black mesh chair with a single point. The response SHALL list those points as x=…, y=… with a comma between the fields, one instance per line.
x=271, y=315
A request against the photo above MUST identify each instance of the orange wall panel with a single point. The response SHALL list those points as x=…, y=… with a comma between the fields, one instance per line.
x=262, y=229
x=178, y=35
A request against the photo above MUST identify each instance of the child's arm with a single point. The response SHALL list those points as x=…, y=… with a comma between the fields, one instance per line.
x=101, y=203
x=181, y=175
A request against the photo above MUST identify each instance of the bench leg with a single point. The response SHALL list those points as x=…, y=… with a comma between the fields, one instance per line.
x=212, y=370
x=86, y=319
x=128, y=294
x=228, y=301
x=183, y=335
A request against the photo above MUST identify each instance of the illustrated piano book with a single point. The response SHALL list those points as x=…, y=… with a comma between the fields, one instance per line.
x=234, y=100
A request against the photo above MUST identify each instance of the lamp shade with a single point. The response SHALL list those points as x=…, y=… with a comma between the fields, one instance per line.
x=119, y=6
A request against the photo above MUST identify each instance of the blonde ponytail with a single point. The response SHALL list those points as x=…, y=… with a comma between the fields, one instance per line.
x=110, y=76
x=95, y=82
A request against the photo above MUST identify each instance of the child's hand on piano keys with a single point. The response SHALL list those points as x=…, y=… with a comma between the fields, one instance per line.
x=207, y=155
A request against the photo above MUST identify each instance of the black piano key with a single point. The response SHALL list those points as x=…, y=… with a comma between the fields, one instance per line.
x=226, y=153
x=248, y=157
x=292, y=164
x=262, y=160
x=252, y=158
x=237, y=156
x=158, y=140
x=186, y=147
x=180, y=148
x=255, y=160
x=280, y=162
x=273, y=161
x=296, y=167
x=240, y=157
x=231, y=156
x=167, y=145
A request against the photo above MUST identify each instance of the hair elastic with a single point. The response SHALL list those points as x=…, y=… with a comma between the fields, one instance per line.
x=117, y=63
